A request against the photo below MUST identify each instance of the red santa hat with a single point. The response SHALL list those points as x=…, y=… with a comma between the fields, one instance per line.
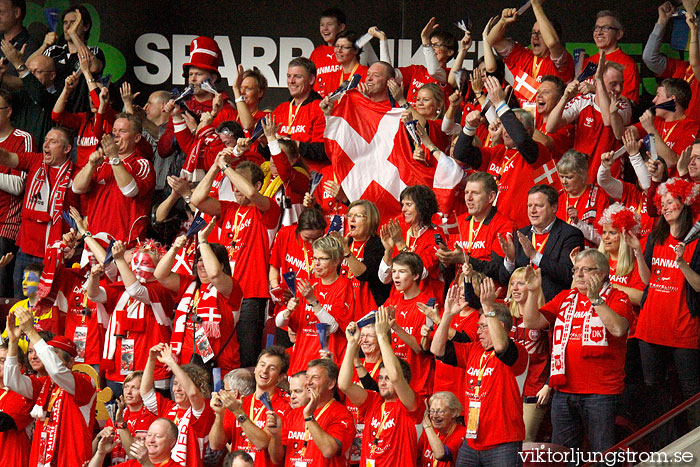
x=687, y=192
x=205, y=54
x=63, y=343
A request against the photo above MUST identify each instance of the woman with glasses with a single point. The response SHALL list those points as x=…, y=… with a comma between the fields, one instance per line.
x=362, y=253
x=442, y=435
x=536, y=391
x=325, y=299
x=208, y=304
x=347, y=54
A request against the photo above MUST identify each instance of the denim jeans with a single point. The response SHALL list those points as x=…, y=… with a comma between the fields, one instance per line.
x=572, y=413
x=503, y=455
x=22, y=261
x=250, y=330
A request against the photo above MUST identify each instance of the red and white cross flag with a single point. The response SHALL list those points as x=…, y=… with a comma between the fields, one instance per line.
x=370, y=152
x=525, y=86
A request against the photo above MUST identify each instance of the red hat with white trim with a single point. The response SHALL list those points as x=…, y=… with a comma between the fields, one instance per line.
x=63, y=343
x=205, y=54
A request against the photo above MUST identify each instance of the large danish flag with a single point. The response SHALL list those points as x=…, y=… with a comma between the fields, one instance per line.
x=370, y=152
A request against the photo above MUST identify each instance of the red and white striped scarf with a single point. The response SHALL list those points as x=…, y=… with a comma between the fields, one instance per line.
x=48, y=420
x=207, y=309
x=43, y=202
x=194, y=161
x=594, y=336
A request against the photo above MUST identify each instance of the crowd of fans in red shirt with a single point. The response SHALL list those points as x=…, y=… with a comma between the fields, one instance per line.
x=203, y=259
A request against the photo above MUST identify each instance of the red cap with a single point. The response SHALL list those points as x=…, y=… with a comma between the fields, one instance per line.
x=63, y=343
x=205, y=54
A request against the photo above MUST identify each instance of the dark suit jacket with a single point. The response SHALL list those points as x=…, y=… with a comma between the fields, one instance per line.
x=555, y=264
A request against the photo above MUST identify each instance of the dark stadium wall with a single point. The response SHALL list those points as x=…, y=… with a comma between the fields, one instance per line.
x=147, y=42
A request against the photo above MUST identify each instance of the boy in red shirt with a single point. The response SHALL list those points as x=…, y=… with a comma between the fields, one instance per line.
x=390, y=416
x=406, y=269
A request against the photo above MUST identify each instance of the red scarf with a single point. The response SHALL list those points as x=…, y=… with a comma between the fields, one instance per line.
x=194, y=161
x=44, y=203
x=47, y=411
x=591, y=344
x=207, y=309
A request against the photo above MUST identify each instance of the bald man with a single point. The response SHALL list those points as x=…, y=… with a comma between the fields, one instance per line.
x=160, y=440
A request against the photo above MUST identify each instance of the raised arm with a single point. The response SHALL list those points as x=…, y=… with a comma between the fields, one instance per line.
x=652, y=56
x=200, y=196
x=163, y=273
x=549, y=34
x=193, y=394
x=555, y=119
x=499, y=335
x=532, y=318
x=496, y=36
x=219, y=279
x=437, y=347
x=391, y=362
x=356, y=393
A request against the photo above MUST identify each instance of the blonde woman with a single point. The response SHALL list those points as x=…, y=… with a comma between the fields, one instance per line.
x=536, y=392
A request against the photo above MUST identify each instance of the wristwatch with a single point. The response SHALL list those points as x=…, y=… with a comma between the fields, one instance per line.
x=120, y=425
x=87, y=234
x=239, y=99
x=241, y=418
x=310, y=418
x=115, y=161
x=21, y=68
x=598, y=301
x=490, y=314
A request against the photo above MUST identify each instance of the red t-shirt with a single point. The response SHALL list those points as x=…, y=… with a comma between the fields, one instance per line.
x=589, y=205
x=562, y=139
x=409, y=317
x=425, y=247
x=665, y=318
x=677, y=134
x=135, y=421
x=335, y=420
x=146, y=332
x=34, y=233
x=219, y=316
x=501, y=412
x=244, y=234
x=88, y=318
x=522, y=58
x=592, y=137
x=329, y=205
x=109, y=210
x=17, y=141
x=258, y=415
x=193, y=431
x=536, y=342
x=452, y=378
x=135, y=463
x=75, y=424
x=478, y=240
x=415, y=76
x=337, y=299
x=396, y=443
x=331, y=81
x=681, y=69
x=630, y=89
x=304, y=123
x=14, y=443
x=323, y=57
x=453, y=440
x=516, y=178
x=591, y=374
x=632, y=280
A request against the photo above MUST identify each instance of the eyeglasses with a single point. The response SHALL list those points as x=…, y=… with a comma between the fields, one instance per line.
x=605, y=29
x=440, y=412
x=583, y=270
x=356, y=216
x=481, y=327
x=536, y=34
x=344, y=47
x=6, y=107
x=320, y=259
x=437, y=45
